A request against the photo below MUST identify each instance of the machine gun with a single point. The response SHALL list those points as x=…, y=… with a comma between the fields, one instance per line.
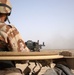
x=34, y=46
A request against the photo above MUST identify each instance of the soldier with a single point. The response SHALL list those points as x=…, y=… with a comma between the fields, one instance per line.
x=10, y=40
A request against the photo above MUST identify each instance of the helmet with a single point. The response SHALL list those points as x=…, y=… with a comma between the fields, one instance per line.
x=5, y=7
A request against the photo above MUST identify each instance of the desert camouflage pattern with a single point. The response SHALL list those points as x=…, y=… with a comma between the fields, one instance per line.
x=5, y=6
x=10, y=37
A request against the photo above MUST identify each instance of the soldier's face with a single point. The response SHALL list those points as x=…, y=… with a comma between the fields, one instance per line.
x=2, y=17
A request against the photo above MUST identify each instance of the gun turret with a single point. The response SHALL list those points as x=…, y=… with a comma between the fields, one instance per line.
x=34, y=46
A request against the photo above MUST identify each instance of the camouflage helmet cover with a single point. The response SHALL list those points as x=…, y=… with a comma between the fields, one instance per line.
x=5, y=7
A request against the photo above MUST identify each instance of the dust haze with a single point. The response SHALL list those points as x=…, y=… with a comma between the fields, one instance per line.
x=60, y=42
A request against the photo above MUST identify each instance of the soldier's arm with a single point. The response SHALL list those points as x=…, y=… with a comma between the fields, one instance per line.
x=17, y=42
x=13, y=39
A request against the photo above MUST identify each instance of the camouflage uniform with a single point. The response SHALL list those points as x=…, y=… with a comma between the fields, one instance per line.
x=10, y=40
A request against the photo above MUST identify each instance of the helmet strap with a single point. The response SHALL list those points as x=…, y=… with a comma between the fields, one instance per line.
x=8, y=20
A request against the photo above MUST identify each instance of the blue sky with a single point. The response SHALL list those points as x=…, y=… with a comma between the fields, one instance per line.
x=50, y=21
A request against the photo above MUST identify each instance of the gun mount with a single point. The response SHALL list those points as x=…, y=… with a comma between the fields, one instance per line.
x=34, y=46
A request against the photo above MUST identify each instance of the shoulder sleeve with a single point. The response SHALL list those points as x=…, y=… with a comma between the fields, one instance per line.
x=13, y=38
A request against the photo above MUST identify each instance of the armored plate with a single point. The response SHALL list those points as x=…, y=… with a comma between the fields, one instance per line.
x=38, y=56
x=29, y=55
